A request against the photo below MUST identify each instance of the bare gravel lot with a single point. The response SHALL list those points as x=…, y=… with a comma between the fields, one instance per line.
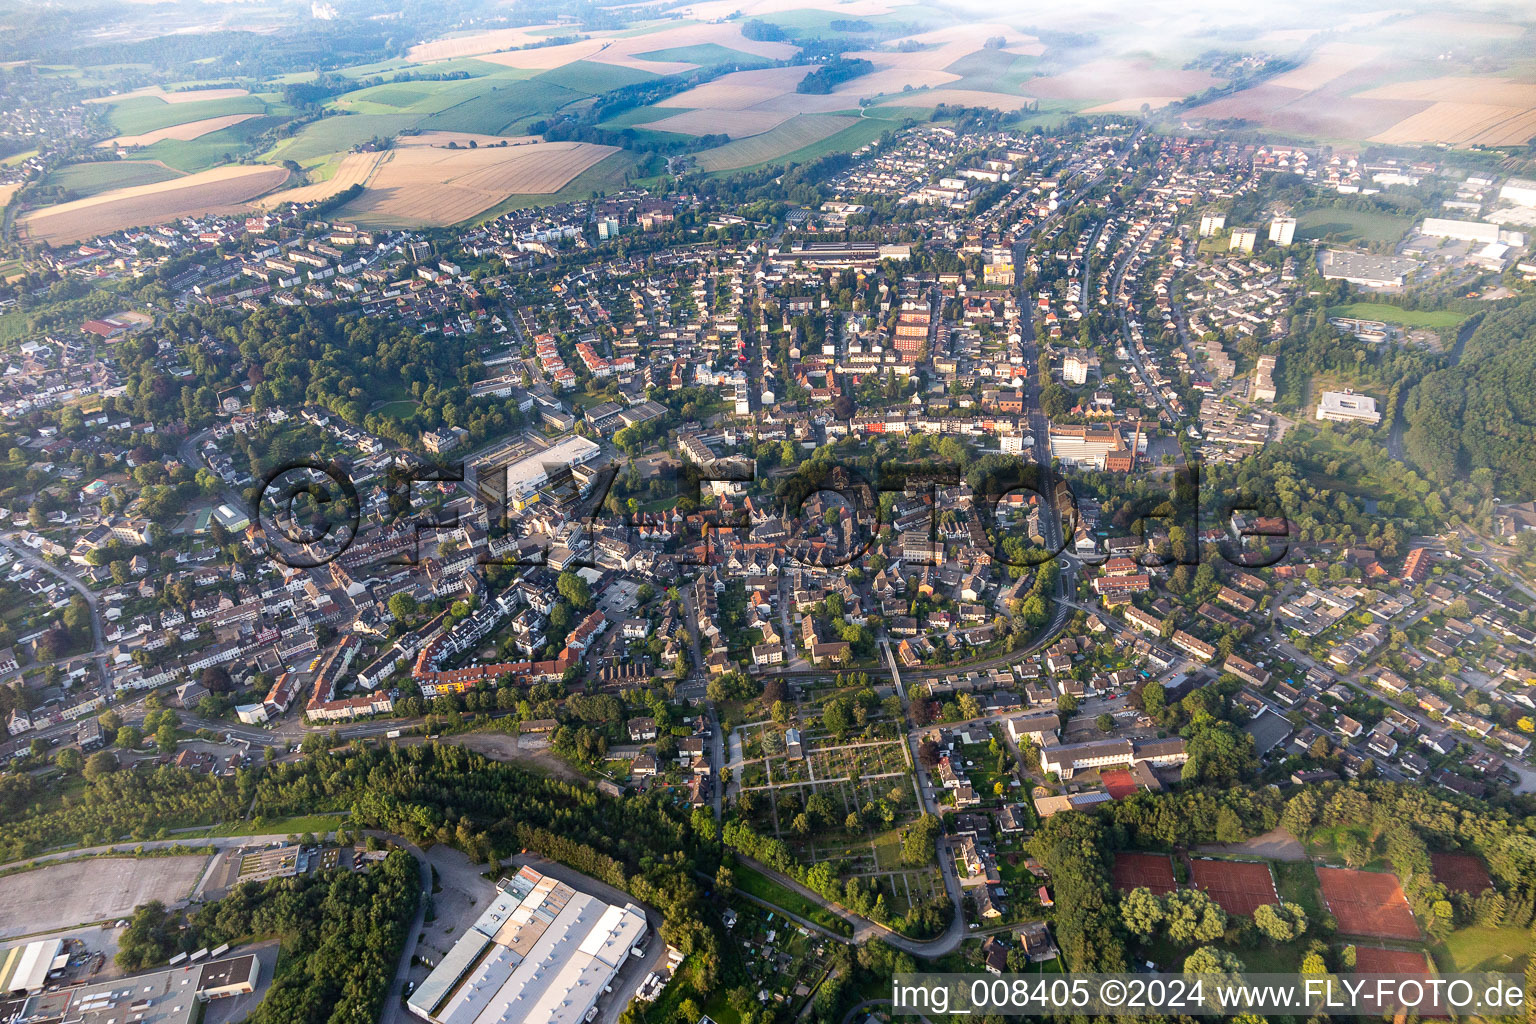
x=93, y=889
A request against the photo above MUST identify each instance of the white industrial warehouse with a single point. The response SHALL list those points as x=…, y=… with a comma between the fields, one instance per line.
x=541, y=953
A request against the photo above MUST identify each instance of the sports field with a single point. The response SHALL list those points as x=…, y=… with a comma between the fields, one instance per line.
x=1397, y=315
x=1144, y=870
x=1367, y=903
x=1241, y=887
x=1460, y=872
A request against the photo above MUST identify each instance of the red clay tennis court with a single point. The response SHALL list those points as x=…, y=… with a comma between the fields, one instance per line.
x=1375, y=960
x=1367, y=903
x=1239, y=887
x=1118, y=782
x=1460, y=872
x=1144, y=870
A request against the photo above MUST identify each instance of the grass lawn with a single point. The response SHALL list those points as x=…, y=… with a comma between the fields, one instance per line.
x=1481, y=948
x=1350, y=225
x=397, y=410
x=316, y=823
x=1297, y=883
x=90, y=178
x=755, y=883
x=1395, y=315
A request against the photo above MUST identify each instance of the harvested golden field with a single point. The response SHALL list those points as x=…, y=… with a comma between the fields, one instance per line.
x=944, y=46
x=1119, y=79
x=793, y=134
x=1327, y=113
x=1464, y=124
x=189, y=96
x=427, y=186
x=545, y=58
x=180, y=132
x=738, y=124
x=355, y=169
x=1329, y=62
x=891, y=80
x=6, y=191
x=479, y=42
x=221, y=190
x=740, y=90
x=959, y=98
x=1459, y=89
x=623, y=50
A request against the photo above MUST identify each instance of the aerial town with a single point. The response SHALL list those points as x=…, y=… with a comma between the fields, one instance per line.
x=1021, y=540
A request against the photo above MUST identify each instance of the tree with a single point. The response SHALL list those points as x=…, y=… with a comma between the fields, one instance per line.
x=70, y=760
x=1105, y=722
x=574, y=589
x=1066, y=705
x=725, y=878
x=402, y=606
x=919, y=846
x=1210, y=960
x=1280, y=922
x=165, y=738
x=99, y=765
x=1141, y=911
x=1192, y=916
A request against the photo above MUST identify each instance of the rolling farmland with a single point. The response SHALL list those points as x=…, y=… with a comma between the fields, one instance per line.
x=794, y=134
x=90, y=179
x=225, y=189
x=355, y=169
x=181, y=132
x=434, y=186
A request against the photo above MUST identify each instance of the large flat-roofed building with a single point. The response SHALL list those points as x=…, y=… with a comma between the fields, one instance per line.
x=1366, y=269
x=1462, y=230
x=541, y=953
x=1347, y=407
x=527, y=475
x=1520, y=191
x=160, y=997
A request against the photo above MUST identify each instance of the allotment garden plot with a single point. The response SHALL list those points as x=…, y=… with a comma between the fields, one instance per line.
x=844, y=801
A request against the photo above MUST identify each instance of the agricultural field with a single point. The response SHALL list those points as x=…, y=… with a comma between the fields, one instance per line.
x=147, y=114
x=436, y=186
x=1120, y=84
x=225, y=189
x=181, y=132
x=211, y=150
x=792, y=137
x=354, y=169
x=494, y=111
x=89, y=179
x=618, y=170
x=1462, y=111
x=738, y=124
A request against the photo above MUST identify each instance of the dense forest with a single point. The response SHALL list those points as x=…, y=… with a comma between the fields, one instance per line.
x=1481, y=413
